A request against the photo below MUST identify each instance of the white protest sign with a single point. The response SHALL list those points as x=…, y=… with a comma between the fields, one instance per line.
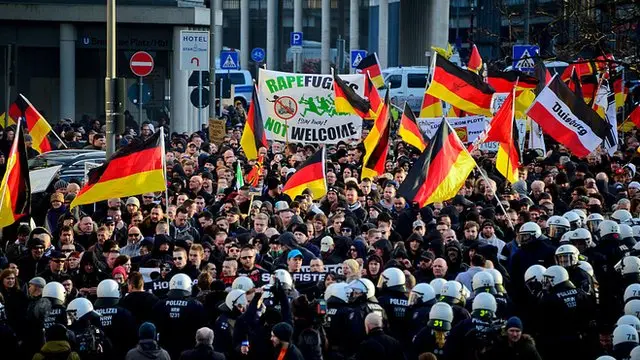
x=468, y=128
x=300, y=108
x=41, y=178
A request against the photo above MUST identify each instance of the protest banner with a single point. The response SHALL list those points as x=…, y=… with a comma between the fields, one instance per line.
x=300, y=108
x=468, y=128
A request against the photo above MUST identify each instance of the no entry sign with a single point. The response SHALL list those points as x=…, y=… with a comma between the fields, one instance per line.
x=141, y=63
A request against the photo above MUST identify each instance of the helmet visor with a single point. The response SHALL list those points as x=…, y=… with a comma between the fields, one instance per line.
x=556, y=231
x=565, y=260
x=414, y=298
x=592, y=225
x=523, y=238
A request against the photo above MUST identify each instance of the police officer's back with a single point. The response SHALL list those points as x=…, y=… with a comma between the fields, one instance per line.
x=395, y=302
x=117, y=322
x=421, y=299
x=89, y=340
x=466, y=340
x=57, y=314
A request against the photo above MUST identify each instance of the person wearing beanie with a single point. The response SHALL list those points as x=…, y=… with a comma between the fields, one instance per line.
x=55, y=212
x=514, y=344
x=61, y=186
x=204, y=347
x=147, y=348
x=281, y=335
x=57, y=345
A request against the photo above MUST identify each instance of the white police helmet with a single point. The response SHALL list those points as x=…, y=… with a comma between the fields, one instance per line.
x=605, y=357
x=628, y=265
x=635, y=229
x=78, y=308
x=623, y=334
x=484, y=302
x=359, y=287
x=284, y=277
x=437, y=285
x=371, y=288
x=586, y=267
x=452, y=291
x=242, y=283
x=482, y=280
x=535, y=273
x=108, y=288
x=579, y=235
x=236, y=298
x=54, y=290
x=180, y=282
x=629, y=320
x=593, y=222
x=497, y=280
x=339, y=290
x=558, y=225
x=582, y=214
x=440, y=316
x=555, y=275
x=621, y=216
x=422, y=293
x=575, y=221
x=631, y=292
x=626, y=231
x=635, y=353
x=566, y=238
x=632, y=307
x=608, y=227
x=567, y=255
x=527, y=232
x=391, y=277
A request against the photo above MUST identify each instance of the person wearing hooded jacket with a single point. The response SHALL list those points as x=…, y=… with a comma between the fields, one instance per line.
x=57, y=345
x=288, y=240
x=455, y=264
x=147, y=348
x=89, y=275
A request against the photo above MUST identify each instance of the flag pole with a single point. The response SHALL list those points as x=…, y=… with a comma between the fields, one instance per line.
x=486, y=179
x=164, y=166
x=513, y=115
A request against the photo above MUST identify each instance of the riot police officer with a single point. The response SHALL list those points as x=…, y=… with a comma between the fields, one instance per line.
x=395, y=302
x=421, y=299
x=179, y=316
x=117, y=322
x=455, y=294
x=465, y=340
x=625, y=338
x=433, y=336
x=568, y=256
x=54, y=291
x=90, y=340
x=235, y=304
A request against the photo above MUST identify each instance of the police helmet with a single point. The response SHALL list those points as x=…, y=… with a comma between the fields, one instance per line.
x=626, y=231
x=631, y=292
x=558, y=225
x=54, y=290
x=422, y=294
x=605, y=357
x=108, y=288
x=635, y=229
x=338, y=290
x=629, y=320
x=391, y=277
x=635, y=353
x=621, y=216
x=632, y=307
x=575, y=221
x=440, y=316
x=371, y=289
x=452, y=292
x=528, y=231
x=567, y=255
x=484, y=306
x=242, y=283
x=497, y=280
x=534, y=273
x=566, y=238
x=356, y=289
x=582, y=214
x=581, y=235
x=593, y=222
x=483, y=281
x=624, y=333
x=555, y=275
x=586, y=267
x=628, y=265
x=609, y=227
x=78, y=308
x=285, y=278
x=236, y=298
x=437, y=284
x=180, y=282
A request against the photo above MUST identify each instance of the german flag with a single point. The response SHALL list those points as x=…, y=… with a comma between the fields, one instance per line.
x=253, y=135
x=634, y=117
x=475, y=60
x=460, y=88
x=371, y=66
x=346, y=99
x=590, y=86
x=310, y=175
x=455, y=112
x=617, y=87
x=575, y=85
x=431, y=106
x=409, y=130
x=581, y=67
x=504, y=132
x=541, y=73
x=134, y=169
x=375, y=102
x=253, y=177
x=376, y=144
x=15, y=189
x=37, y=126
x=505, y=81
x=440, y=171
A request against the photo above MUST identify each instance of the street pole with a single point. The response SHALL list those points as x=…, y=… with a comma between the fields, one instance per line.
x=140, y=103
x=212, y=63
x=199, y=122
x=7, y=84
x=527, y=15
x=110, y=92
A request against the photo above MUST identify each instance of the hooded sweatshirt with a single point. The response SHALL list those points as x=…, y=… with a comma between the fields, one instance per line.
x=147, y=349
x=56, y=349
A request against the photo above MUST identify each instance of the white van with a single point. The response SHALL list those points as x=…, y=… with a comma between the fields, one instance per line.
x=406, y=84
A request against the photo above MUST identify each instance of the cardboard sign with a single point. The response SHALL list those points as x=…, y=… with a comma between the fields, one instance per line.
x=217, y=131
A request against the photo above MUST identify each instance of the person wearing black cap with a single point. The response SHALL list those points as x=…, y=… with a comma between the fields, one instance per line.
x=34, y=261
x=281, y=335
x=56, y=267
x=147, y=348
x=274, y=192
x=514, y=345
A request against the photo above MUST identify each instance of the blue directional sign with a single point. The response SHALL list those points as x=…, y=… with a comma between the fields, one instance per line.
x=257, y=54
x=357, y=56
x=229, y=60
x=524, y=57
x=296, y=38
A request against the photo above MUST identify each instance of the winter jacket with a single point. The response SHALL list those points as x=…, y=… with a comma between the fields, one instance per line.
x=201, y=352
x=147, y=350
x=292, y=353
x=56, y=350
x=524, y=349
x=379, y=345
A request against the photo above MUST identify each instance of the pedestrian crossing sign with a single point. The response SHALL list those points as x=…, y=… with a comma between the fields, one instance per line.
x=229, y=60
x=524, y=57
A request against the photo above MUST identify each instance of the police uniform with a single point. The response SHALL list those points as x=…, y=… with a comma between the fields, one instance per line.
x=396, y=304
x=119, y=325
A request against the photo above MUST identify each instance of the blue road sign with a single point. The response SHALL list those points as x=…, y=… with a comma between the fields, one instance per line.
x=229, y=60
x=357, y=56
x=257, y=54
x=296, y=38
x=524, y=57
x=133, y=93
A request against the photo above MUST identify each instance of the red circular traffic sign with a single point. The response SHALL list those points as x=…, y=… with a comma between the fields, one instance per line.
x=141, y=63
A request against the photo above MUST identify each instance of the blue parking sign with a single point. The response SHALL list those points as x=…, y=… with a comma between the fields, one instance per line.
x=296, y=38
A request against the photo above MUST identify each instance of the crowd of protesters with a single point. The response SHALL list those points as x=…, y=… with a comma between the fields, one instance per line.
x=544, y=268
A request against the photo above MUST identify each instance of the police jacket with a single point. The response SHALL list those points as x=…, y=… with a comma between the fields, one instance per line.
x=119, y=325
x=177, y=319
